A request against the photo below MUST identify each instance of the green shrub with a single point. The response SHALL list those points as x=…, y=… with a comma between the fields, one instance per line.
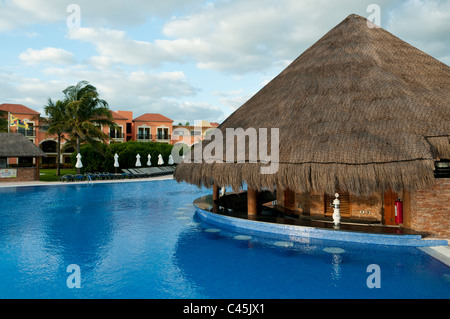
x=93, y=161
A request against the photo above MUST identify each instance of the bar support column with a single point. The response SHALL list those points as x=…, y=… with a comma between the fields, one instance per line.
x=252, y=202
x=215, y=197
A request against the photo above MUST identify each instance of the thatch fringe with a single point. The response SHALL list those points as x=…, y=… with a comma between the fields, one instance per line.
x=441, y=146
x=325, y=178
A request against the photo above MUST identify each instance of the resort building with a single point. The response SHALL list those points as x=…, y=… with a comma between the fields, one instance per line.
x=26, y=120
x=152, y=127
x=192, y=134
x=360, y=113
x=149, y=127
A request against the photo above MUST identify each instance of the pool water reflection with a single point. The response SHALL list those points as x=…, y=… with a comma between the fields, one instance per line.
x=142, y=240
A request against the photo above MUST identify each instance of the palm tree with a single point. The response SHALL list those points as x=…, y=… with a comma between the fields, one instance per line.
x=57, y=122
x=85, y=112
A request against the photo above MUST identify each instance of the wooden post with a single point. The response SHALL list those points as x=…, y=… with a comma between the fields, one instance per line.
x=215, y=197
x=252, y=202
x=37, y=175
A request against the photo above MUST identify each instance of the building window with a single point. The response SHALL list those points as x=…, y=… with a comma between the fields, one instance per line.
x=442, y=169
x=144, y=133
x=116, y=133
x=163, y=133
x=178, y=132
x=28, y=132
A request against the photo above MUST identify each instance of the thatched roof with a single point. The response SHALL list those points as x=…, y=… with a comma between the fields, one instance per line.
x=360, y=110
x=17, y=145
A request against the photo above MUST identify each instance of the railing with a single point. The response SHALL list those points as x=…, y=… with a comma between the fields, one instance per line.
x=144, y=137
x=116, y=135
x=31, y=132
x=163, y=137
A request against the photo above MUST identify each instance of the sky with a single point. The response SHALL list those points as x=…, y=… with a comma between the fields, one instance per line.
x=186, y=59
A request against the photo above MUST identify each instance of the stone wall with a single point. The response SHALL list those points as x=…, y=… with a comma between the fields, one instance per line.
x=429, y=209
x=313, y=204
x=24, y=174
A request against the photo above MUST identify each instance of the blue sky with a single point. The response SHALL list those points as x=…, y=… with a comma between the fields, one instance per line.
x=187, y=59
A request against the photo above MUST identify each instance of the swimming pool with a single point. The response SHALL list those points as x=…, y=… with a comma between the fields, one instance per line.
x=142, y=240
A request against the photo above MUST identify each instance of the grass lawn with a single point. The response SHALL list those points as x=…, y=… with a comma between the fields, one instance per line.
x=49, y=175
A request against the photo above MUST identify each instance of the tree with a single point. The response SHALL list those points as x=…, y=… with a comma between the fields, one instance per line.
x=85, y=113
x=3, y=121
x=57, y=117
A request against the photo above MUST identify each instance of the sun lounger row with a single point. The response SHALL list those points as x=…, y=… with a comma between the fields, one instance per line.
x=148, y=171
x=126, y=173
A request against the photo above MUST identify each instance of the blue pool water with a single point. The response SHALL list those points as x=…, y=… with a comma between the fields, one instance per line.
x=142, y=240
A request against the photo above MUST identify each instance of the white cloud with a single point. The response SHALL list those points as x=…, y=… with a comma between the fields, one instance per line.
x=424, y=24
x=114, y=46
x=47, y=55
x=16, y=14
x=32, y=92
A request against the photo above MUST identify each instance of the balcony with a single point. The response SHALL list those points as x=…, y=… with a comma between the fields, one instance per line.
x=31, y=132
x=116, y=135
x=163, y=137
x=144, y=137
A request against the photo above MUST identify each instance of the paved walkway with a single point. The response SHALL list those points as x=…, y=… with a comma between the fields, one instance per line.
x=441, y=253
x=36, y=183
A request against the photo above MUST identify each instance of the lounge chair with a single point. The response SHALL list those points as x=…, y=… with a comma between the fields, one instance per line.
x=155, y=171
x=126, y=173
x=136, y=173
x=66, y=178
x=142, y=171
x=78, y=177
x=89, y=176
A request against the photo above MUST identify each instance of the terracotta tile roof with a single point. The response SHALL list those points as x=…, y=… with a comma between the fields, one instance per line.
x=153, y=117
x=17, y=108
x=118, y=116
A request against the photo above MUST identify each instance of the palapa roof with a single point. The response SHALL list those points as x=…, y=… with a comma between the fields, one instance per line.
x=17, y=145
x=359, y=111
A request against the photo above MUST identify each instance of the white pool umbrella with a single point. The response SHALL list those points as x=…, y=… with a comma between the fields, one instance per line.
x=138, y=160
x=116, y=160
x=160, y=160
x=170, y=160
x=149, y=163
x=79, y=164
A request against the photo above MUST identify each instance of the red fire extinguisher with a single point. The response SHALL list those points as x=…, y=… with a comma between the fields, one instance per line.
x=398, y=211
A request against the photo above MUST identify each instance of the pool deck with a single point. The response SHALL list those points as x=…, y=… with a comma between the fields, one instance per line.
x=441, y=253
x=38, y=183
